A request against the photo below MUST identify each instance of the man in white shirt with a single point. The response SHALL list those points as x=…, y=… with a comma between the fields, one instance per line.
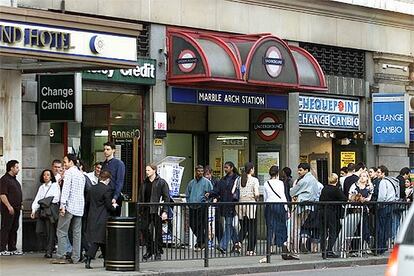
x=71, y=209
x=93, y=176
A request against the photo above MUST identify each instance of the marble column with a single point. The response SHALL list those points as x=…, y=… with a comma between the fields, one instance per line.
x=293, y=134
x=11, y=123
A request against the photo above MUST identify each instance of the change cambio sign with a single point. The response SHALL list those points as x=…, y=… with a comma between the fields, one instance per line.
x=59, y=97
x=390, y=122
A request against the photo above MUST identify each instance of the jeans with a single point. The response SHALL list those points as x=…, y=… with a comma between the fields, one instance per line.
x=396, y=219
x=276, y=217
x=63, y=232
x=229, y=232
x=384, y=228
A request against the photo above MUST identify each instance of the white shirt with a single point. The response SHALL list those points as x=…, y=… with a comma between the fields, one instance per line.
x=278, y=187
x=94, y=179
x=73, y=191
x=46, y=190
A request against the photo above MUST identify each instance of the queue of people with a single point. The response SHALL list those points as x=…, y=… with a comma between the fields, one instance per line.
x=72, y=207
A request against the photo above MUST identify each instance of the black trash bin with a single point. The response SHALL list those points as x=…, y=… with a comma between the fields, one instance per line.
x=120, y=244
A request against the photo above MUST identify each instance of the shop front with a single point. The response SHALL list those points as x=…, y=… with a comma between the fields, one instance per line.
x=43, y=42
x=330, y=135
x=113, y=110
x=228, y=98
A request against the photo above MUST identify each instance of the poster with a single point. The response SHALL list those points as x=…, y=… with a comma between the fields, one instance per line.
x=264, y=161
x=347, y=157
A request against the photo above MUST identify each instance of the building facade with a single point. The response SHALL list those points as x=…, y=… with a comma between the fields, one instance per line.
x=361, y=47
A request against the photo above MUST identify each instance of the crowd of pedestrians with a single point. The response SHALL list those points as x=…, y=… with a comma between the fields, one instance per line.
x=72, y=206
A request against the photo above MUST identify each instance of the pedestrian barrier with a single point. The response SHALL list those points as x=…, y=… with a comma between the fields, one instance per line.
x=203, y=231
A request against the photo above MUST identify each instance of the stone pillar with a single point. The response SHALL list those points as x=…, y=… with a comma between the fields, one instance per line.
x=391, y=75
x=156, y=100
x=11, y=124
x=292, y=133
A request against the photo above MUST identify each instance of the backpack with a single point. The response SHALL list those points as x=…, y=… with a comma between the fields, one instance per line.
x=395, y=185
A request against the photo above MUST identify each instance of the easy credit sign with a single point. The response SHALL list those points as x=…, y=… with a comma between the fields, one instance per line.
x=390, y=121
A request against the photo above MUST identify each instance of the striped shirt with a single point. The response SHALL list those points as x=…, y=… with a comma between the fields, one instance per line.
x=72, y=197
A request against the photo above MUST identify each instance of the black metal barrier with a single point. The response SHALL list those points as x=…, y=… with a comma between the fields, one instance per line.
x=202, y=231
x=121, y=238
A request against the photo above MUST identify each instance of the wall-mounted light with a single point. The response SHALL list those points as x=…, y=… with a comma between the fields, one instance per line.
x=332, y=134
x=325, y=134
x=119, y=116
x=318, y=133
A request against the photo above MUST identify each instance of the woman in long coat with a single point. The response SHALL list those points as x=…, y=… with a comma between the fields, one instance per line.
x=100, y=205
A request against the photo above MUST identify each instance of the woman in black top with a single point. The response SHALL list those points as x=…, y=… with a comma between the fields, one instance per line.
x=330, y=215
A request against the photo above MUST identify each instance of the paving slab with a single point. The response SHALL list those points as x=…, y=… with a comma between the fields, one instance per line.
x=33, y=264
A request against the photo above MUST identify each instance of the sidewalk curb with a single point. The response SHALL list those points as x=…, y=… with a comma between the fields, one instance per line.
x=263, y=268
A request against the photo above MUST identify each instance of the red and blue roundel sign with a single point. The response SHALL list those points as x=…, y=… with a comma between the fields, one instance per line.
x=187, y=61
x=273, y=61
x=268, y=126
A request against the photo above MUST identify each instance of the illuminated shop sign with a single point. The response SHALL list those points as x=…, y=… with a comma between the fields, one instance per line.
x=228, y=98
x=328, y=113
x=390, y=122
x=45, y=39
x=59, y=97
x=144, y=73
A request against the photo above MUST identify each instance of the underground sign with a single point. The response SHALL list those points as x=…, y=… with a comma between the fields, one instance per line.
x=268, y=126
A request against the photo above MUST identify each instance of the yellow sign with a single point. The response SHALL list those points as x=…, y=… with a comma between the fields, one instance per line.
x=347, y=157
x=157, y=142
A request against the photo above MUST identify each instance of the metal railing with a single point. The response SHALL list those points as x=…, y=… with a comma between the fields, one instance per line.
x=203, y=231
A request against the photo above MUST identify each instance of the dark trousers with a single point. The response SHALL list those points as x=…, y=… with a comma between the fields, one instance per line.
x=51, y=236
x=248, y=227
x=152, y=233
x=198, y=221
x=93, y=248
x=84, y=242
x=330, y=227
x=9, y=226
x=218, y=227
x=384, y=228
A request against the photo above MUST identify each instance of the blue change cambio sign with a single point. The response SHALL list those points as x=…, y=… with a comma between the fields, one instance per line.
x=390, y=119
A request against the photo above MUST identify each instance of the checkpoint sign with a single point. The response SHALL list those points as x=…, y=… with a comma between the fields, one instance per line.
x=268, y=126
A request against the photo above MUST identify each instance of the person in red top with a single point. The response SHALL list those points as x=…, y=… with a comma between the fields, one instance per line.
x=11, y=203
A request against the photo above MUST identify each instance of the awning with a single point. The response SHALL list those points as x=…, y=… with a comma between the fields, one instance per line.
x=248, y=62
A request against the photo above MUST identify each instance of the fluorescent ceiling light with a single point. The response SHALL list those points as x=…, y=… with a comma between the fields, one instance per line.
x=101, y=133
x=221, y=138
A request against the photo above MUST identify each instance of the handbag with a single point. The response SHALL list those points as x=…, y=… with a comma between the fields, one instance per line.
x=236, y=194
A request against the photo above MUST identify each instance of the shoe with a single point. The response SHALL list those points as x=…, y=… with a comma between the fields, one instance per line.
x=63, y=260
x=332, y=255
x=251, y=253
x=221, y=250
x=16, y=252
x=146, y=256
x=157, y=257
x=236, y=248
x=293, y=256
x=324, y=256
x=5, y=253
x=88, y=262
x=48, y=256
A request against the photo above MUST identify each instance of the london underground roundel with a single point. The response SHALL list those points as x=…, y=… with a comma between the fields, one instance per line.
x=273, y=61
x=268, y=126
x=187, y=61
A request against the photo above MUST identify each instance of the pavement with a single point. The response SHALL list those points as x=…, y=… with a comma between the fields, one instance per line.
x=34, y=264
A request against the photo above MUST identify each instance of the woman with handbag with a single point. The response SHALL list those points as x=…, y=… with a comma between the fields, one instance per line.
x=46, y=199
x=248, y=186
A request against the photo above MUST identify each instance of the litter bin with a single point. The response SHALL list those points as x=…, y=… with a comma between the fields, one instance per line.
x=120, y=244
